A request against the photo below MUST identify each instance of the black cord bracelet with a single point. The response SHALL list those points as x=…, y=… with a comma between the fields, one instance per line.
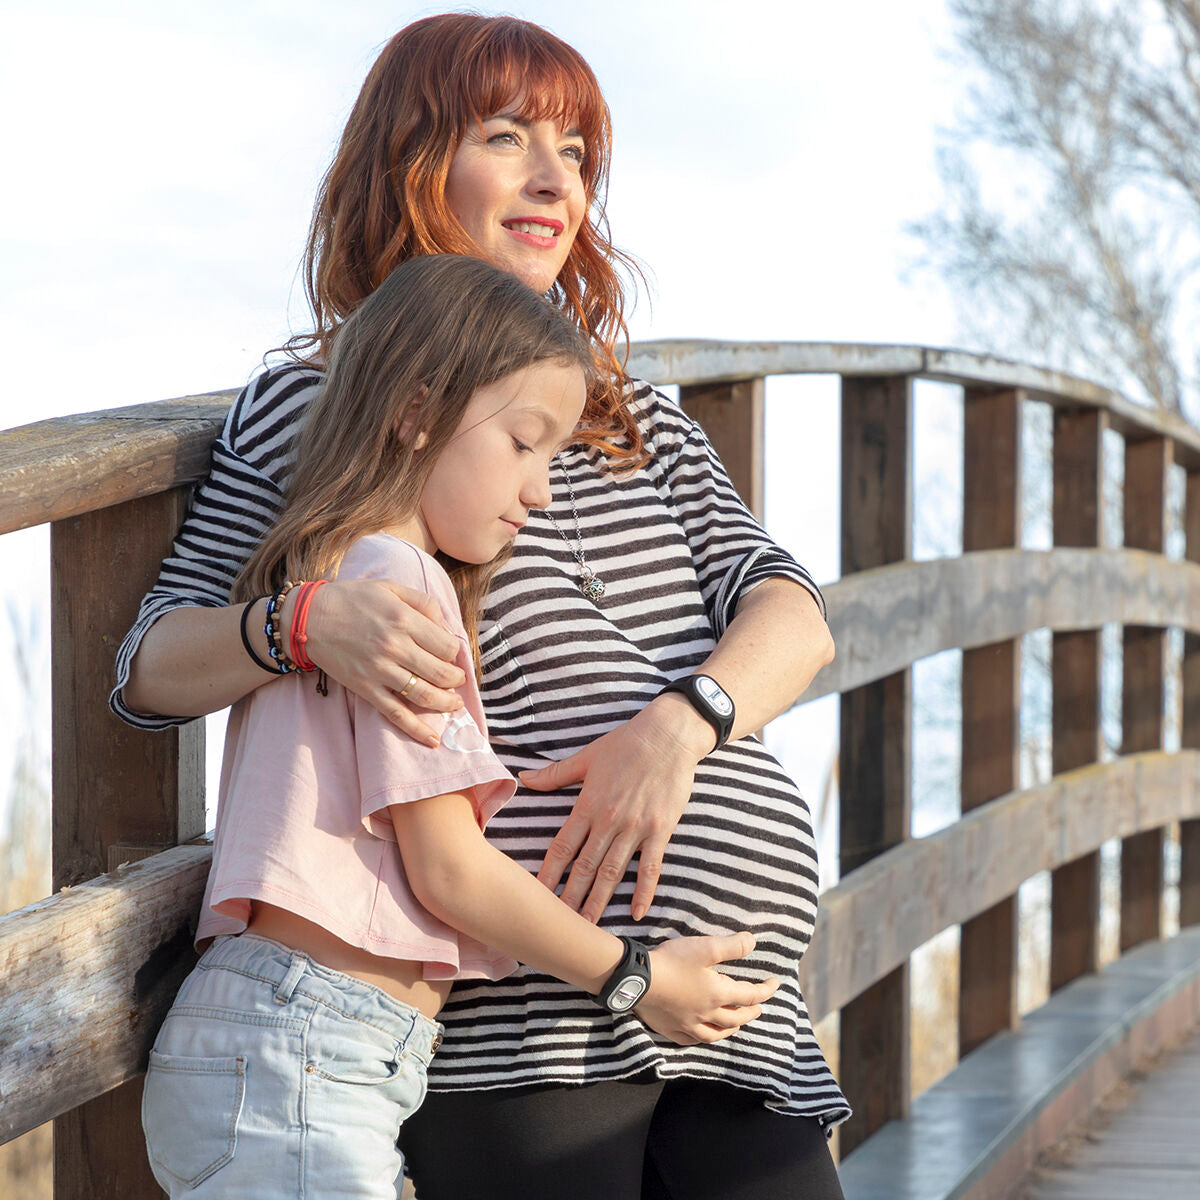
x=274, y=670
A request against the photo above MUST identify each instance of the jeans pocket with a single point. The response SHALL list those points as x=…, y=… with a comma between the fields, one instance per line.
x=190, y=1113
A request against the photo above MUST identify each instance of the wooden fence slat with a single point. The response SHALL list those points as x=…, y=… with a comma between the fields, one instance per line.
x=876, y=733
x=732, y=416
x=1147, y=466
x=1189, y=831
x=991, y=691
x=112, y=784
x=1075, y=686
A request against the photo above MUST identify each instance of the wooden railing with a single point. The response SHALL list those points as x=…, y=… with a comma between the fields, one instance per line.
x=86, y=975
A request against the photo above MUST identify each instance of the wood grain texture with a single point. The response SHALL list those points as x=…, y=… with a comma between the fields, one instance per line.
x=687, y=361
x=113, y=784
x=1078, y=500
x=885, y=619
x=85, y=980
x=876, y=917
x=70, y=465
x=732, y=414
x=991, y=695
x=1189, y=831
x=875, y=767
x=1143, y=687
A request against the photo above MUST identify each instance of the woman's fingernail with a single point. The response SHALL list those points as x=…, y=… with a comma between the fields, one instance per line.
x=638, y=913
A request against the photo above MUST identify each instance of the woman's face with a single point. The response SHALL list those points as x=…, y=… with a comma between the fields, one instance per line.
x=515, y=187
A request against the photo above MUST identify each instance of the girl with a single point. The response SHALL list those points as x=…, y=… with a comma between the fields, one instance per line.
x=347, y=854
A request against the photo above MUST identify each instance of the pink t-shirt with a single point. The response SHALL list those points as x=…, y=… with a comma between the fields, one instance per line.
x=305, y=786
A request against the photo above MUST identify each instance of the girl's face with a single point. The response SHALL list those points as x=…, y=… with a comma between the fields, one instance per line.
x=515, y=187
x=497, y=466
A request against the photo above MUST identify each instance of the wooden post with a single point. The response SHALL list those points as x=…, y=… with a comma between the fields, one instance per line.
x=876, y=731
x=1147, y=465
x=732, y=416
x=112, y=785
x=1075, y=672
x=1189, y=831
x=991, y=693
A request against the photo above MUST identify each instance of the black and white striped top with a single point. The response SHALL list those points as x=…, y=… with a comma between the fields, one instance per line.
x=676, y=549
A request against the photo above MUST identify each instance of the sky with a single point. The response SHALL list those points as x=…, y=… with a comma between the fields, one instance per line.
x=162, y=157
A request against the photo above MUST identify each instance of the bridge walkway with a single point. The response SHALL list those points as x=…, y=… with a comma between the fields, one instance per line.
x=1147, y=1148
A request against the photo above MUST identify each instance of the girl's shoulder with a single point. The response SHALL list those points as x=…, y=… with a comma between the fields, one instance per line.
x=385, y=556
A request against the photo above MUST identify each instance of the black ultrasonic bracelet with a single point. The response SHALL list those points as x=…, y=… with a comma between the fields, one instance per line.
x=630, y=982
x=246, y=637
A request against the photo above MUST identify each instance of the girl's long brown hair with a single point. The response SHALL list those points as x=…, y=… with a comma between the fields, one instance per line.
x=406, y=362
x=383, y=199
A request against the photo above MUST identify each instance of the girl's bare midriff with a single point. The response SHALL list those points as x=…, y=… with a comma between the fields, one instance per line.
x=399, y=977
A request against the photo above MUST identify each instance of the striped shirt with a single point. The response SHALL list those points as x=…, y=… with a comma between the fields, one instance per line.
x=677, y=550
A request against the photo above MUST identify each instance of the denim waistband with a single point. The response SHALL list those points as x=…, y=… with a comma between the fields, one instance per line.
x=294, y=973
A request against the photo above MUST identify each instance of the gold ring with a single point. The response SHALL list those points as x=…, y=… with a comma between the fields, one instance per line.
x=411, y=680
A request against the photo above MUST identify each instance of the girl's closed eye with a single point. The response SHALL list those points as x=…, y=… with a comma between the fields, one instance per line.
x=520, y=447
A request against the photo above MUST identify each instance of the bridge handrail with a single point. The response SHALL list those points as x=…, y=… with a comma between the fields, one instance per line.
x=113, y=485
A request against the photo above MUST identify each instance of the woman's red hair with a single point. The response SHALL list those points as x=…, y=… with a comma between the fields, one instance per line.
x=383, y=199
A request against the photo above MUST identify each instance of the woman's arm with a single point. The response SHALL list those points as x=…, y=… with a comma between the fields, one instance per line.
x=370, y=635
x=478, y=890
x=184, y=655
x=637, y=779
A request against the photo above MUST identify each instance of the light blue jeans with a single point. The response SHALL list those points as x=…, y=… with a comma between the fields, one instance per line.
x=274, y=1078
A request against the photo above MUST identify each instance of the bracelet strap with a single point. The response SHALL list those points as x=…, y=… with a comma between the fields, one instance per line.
x=298, y=635
x=266, y=666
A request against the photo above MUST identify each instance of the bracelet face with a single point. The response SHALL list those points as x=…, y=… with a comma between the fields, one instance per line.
x=627, y=993
x=715, y=694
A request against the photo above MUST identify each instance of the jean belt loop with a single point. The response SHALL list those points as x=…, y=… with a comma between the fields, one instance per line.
x=283, y=993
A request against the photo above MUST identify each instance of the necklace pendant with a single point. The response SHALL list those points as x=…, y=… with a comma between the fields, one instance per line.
x=592, y=586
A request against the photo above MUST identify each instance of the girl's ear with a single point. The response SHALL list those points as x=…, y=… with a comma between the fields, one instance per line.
x=412, y=418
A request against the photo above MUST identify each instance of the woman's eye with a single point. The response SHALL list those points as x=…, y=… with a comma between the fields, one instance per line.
x=508, y=137
x=578, y=153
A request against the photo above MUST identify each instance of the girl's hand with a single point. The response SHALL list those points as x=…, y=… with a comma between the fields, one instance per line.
x=637, y=780
x=689, y=1001
x=373, y=636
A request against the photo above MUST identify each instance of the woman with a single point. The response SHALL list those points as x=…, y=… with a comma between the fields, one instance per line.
x=489, y=136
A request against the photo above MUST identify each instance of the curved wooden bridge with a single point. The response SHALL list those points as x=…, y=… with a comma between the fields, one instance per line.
x=86, y=975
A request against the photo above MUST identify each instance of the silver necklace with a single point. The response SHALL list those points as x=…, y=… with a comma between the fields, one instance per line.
x=590, y=584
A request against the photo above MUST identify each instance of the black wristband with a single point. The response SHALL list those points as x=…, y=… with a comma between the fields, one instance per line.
x=246, y=637
x=629, y=982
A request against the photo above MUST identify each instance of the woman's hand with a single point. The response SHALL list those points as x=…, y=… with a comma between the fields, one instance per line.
x=637, y=780
x=689, y=1001
x=379, y=639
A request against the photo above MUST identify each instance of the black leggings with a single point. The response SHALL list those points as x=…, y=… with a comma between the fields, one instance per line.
x=620, y=1140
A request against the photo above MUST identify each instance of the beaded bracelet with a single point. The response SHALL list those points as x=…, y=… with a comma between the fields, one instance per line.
x=266, y=666
x=284, y=664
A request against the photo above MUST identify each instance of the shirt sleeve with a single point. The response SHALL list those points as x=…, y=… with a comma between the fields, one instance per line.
x=731, y=550
x=228, y=515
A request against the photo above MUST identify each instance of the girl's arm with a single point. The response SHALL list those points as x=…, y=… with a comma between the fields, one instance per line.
x=470, y=885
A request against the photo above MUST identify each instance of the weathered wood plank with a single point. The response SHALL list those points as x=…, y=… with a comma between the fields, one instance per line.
x=112, y=784
x=885, y=619
x=1075, y=689
x=876, y=739
x=991, y=692
x=1147, y=467
x=732, y=414
x=876, y=917
x=85, y=980
x=70, y=465
x=687, y=361
x=1189, y=831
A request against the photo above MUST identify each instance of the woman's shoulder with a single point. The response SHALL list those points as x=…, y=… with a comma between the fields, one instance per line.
x=269, y=405
x=663, y=424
